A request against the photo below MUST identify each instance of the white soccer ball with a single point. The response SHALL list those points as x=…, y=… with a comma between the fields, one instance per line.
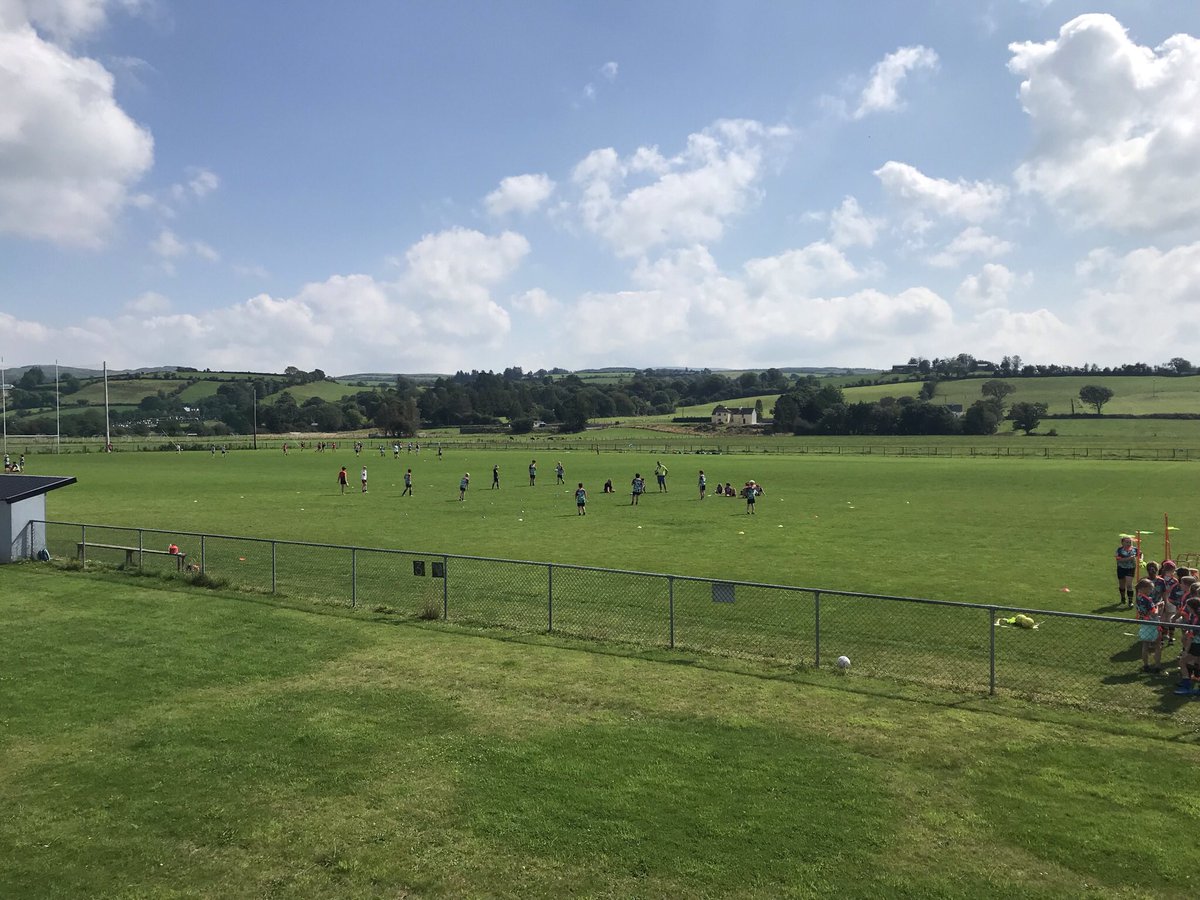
x=843, y=662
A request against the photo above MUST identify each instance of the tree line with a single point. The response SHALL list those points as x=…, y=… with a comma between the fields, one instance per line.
x=515, y=401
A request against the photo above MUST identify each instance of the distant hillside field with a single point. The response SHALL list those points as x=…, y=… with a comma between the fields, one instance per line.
x=705, y=409
x=1132, y=394
x=131, y=391
x=330, y=391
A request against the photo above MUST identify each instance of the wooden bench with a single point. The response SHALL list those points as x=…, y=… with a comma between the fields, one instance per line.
x=82, y=548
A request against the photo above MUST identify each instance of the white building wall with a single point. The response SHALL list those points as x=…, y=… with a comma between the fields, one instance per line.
x=19, y=538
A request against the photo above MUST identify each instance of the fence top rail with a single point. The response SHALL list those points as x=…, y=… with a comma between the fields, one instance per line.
x=817, y=591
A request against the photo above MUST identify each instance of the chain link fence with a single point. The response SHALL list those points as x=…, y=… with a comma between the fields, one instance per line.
x=1067, y=659
x=675, y=444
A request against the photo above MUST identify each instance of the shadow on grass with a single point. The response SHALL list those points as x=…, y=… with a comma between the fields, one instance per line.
x=1132, y=653
x=1090, y=719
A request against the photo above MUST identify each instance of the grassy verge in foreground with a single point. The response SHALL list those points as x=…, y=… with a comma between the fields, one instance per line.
x=174, y=743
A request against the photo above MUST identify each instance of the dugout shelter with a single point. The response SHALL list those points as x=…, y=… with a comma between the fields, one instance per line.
x=22, y=510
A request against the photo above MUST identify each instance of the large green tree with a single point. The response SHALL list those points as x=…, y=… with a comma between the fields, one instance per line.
x=997, y=390
x=982, y=417
x=1095, y=395
x=1027, y=416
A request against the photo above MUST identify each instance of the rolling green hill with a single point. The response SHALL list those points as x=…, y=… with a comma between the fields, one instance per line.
x=1132, y=394
x=125, y=391
x=330, y=391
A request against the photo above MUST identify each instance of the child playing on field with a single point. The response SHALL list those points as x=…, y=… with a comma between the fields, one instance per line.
x=1148, y=617
x=581, y=500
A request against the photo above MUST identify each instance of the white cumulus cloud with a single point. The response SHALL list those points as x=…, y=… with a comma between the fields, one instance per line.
x=682, y=308
x=438, y=315
x=882, y=93
x=69, y=154
x=169, y=247
x=1116, y=125
x=519, y=193
x=803, y=272
x=970, y=201
x=536, y=302
x=990, y=288
x=689, y=198
x=972, y=241
x=849, y=225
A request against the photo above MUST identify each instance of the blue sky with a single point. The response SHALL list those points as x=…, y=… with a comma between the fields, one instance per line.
x=408, y=187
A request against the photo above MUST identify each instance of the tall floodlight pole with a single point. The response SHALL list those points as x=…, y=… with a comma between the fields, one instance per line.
x=57, y=413
x=4, y=403
x=107, y=434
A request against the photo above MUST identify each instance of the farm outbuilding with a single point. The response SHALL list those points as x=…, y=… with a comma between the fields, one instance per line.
x=735, y=415
x=24, y=507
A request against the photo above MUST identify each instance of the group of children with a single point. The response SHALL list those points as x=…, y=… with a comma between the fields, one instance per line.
x=750, y=492
x=1169, y=596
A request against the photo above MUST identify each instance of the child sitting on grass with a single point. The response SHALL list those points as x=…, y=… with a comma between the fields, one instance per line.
x=1148, y=613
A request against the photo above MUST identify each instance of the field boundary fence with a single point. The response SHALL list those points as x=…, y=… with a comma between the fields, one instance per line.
x=714, y=446
x=1068, y=659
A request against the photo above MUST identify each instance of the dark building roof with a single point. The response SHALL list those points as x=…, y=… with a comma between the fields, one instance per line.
x=14, y=488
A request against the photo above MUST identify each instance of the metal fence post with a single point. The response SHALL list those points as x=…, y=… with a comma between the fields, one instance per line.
x=273, y=570
x=549, y=598
x=202, y=553
x=353, y=577
x=83, y=544
x=445, y=588
x=992, y=653
x=140, y=554
x=671, y=608
x=817, y=625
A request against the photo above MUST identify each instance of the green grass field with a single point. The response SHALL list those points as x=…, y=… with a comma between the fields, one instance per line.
x=997, y=532
x=173, y=742
x=1131, y=394
x=129, y=392
x=1011, y=531
x=330, y=391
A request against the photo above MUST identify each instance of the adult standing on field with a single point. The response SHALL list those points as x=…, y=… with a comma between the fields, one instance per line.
x=343, y=479
x=1127, y=564
x=660, y=472
x=496, y=478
